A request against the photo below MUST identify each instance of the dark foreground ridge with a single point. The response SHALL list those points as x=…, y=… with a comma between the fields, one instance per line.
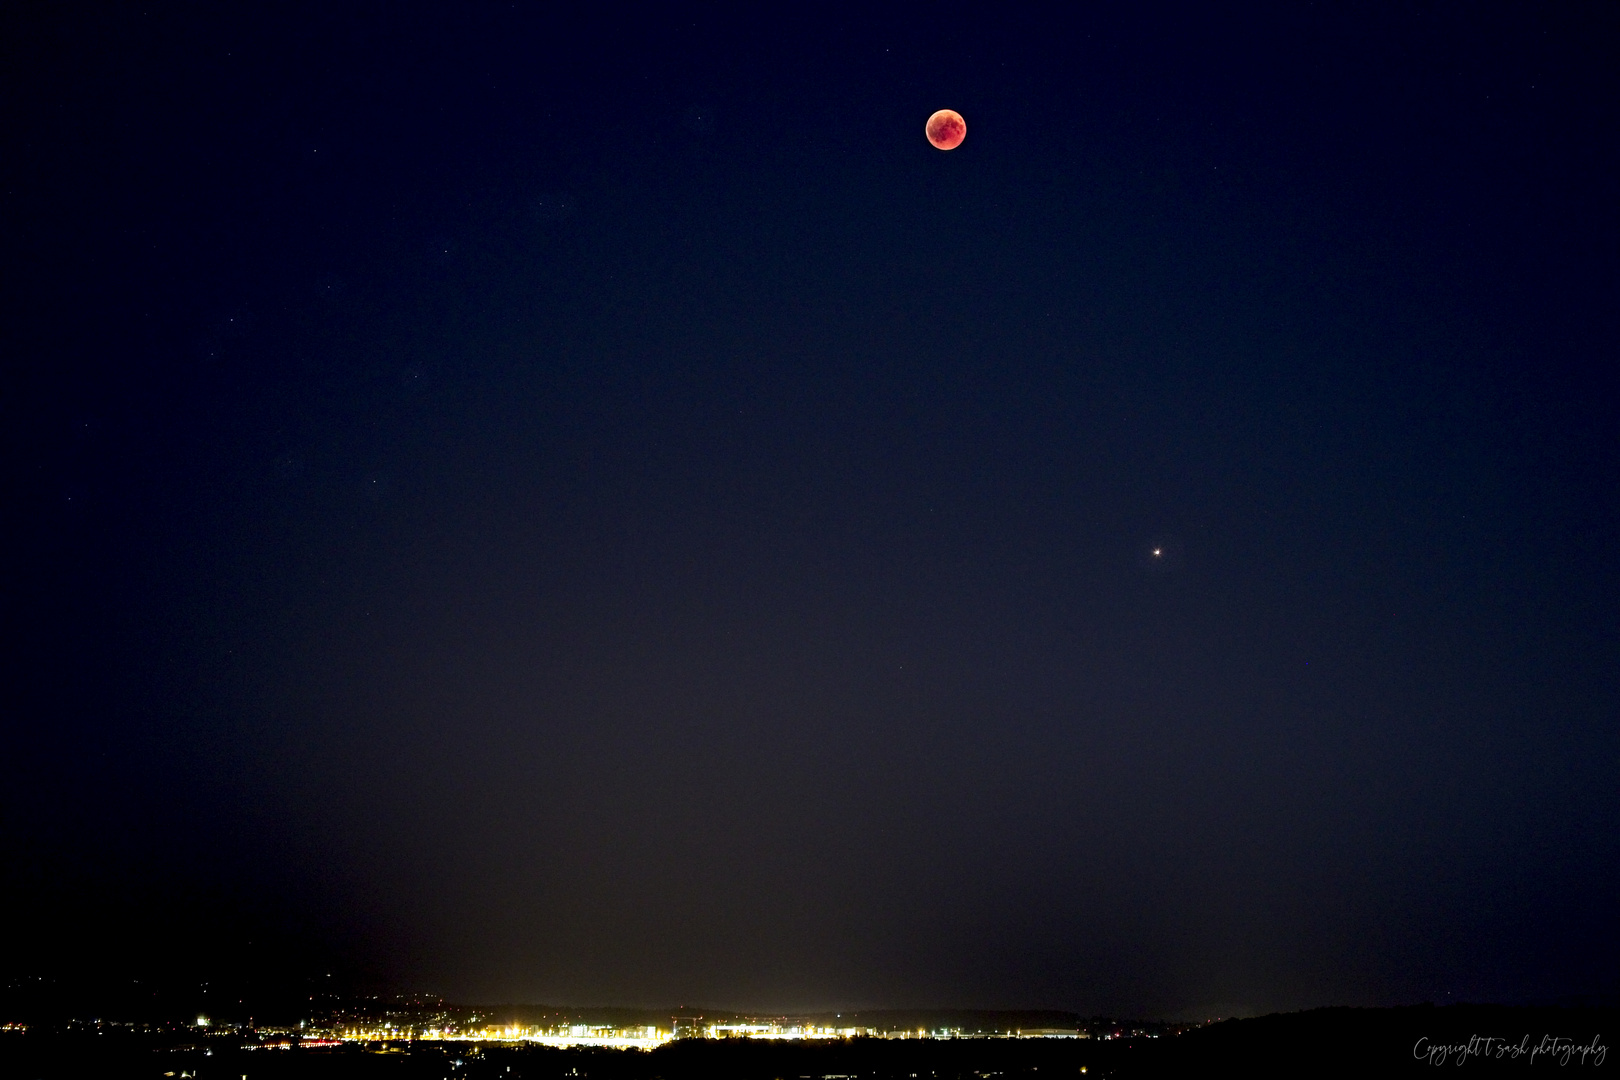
x=1475, y=1039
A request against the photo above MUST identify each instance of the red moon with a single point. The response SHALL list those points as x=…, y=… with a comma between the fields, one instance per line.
x=946, y=129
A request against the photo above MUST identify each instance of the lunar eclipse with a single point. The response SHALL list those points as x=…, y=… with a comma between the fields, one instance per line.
x=663, y=538
x=946, y=129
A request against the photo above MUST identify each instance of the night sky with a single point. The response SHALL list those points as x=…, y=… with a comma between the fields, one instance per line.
x=536, y=504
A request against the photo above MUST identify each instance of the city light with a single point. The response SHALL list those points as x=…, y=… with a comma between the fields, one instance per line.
x=648, y=1037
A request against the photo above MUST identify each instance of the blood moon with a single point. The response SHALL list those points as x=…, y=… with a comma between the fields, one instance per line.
x=946, y=129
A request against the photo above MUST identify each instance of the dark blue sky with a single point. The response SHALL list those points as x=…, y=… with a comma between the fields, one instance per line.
x=593, y=510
